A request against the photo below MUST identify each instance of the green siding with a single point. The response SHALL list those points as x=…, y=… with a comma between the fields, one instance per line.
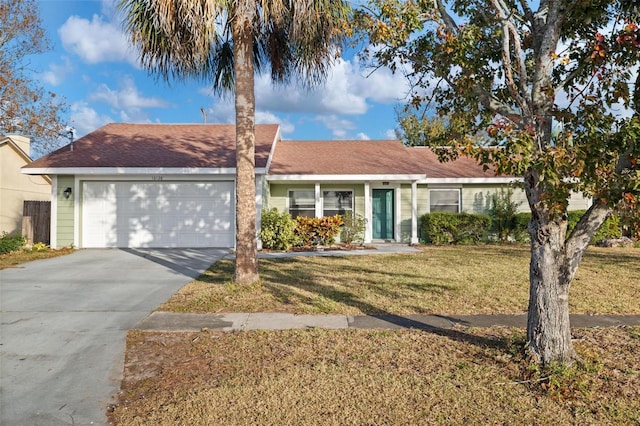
x=578, y=202
x=278, y=194
x=405, y=213
x=477, y=198
x=65, y=219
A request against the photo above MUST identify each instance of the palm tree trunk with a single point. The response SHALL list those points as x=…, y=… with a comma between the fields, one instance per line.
x=246, y=271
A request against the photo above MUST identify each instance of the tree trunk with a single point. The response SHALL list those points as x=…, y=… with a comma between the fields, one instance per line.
x=550, y=276
x=548, y=328
x=246, y=271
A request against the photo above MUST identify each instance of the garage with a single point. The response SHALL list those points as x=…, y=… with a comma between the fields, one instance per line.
x=157, y=214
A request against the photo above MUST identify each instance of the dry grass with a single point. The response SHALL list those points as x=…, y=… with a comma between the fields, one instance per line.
x=364, y=377
x=10, y=260
x=444, y=280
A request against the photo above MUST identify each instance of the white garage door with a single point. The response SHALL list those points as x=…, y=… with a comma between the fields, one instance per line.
x=157, y=214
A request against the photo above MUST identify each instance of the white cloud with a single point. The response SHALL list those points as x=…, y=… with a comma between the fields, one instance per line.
x=96, y=41
x=128, y=100
x=339, y=127
x=57, y=73
x=265, y=117
x=391, y=134
x=362, y=136
x=85, y=119
x=127, y=96
x=222, y=111
x=347, y=91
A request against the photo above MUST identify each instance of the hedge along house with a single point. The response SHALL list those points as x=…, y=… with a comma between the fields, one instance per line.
x=172, y=185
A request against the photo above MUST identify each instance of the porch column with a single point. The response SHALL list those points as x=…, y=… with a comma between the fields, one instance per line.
x=368, y=217
x=318, y=201
x=260, y=182
x=414, y=212
x=53, y=228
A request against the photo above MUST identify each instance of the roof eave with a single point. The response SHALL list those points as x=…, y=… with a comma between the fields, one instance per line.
x=343, y=177
x=135, y=171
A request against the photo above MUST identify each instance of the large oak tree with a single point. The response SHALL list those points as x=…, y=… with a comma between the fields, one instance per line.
x=543, y=90
x=224, y=42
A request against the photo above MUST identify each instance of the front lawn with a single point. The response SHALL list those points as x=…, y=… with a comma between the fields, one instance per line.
x=487, y=279
x=378, y=377
x=373, y=377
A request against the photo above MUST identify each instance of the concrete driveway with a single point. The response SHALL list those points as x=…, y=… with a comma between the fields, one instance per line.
x=63, y=327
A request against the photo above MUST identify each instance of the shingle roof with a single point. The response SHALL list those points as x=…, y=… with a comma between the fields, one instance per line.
x=382, y=157
x=341, y=157
x=213, y=146
x=463, y=167
x=159, y=145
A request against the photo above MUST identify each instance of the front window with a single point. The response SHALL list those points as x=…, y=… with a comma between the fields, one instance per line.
x=302, y=202
x=337, y=202
x=444, y=200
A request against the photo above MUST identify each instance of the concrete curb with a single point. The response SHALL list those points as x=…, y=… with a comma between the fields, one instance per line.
x=171, y=321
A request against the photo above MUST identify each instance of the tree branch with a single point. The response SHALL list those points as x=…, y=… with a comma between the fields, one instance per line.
x=528, y=13
x=510, y=33
x=582, y=234
x=446, y=18
x=493, y=104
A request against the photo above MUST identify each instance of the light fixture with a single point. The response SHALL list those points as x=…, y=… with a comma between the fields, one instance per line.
x=67, y=192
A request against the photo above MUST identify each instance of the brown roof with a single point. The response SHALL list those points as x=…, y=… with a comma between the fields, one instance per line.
x=463, y=167
x=382, y=157
x=341, y=157
x=213, y=146
x=159, y=145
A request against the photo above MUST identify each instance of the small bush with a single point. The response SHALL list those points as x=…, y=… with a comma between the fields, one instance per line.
x=353, y=228
x=454, y=228
x=611, y=228
x=503, y=212
x=520, y=231
x=277, y=230
x=40, y=247
x=318, y=230
x=9, y=243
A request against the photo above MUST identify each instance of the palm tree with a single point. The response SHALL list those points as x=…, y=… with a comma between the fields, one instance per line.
x=225, y=42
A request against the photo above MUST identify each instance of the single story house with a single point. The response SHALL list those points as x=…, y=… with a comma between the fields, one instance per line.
x=16, y=187
x=172, y=185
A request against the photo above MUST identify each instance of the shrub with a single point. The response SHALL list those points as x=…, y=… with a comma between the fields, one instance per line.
x=353, y=228
x=318, y=230
x=277, y=230
x=9, y=243
x=40, y=247
x=503, y=212
x=520, y=231
x=629, y=214
x=454, y=228
x=611, y=228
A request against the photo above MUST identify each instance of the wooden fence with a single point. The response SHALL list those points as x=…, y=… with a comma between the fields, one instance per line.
x=36, y=221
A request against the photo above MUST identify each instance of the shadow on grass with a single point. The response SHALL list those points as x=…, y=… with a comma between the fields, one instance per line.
x=290, y=280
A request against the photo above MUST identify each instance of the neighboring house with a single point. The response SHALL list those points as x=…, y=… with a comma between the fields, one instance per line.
x=16, y=187
x=172, y=185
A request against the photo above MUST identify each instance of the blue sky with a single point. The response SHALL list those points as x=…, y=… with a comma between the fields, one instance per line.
x=92, y=66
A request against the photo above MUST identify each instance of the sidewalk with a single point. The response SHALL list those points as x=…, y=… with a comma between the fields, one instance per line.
x=170, y=321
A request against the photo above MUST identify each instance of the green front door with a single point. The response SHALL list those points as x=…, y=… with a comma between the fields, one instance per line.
x=383, y=212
